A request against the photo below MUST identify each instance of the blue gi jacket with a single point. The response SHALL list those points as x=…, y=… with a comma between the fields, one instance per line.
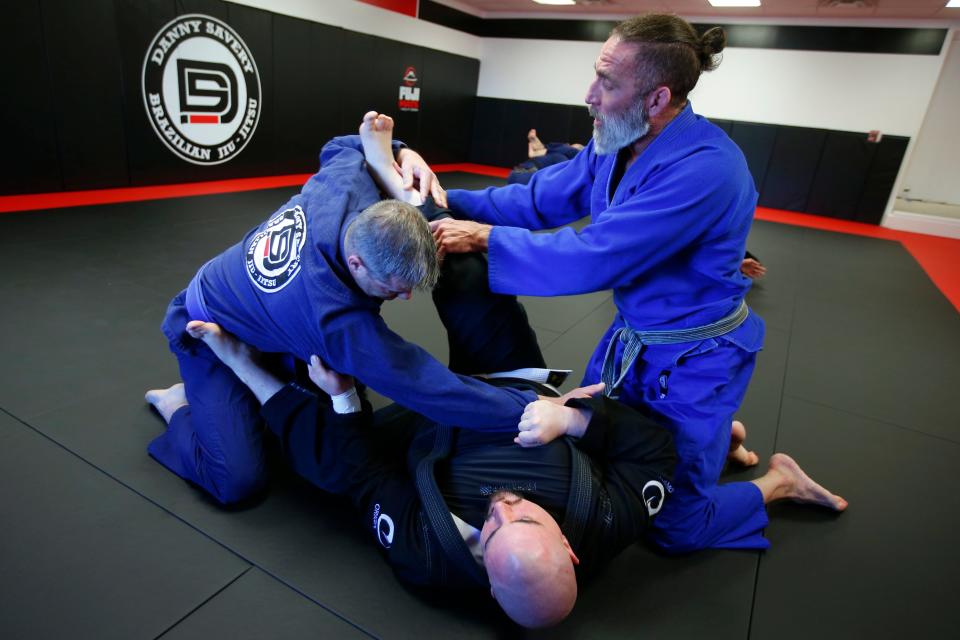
x=669, y=240
x=286, y=288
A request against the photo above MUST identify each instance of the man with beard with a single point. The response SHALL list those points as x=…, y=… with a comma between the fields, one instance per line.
x=671, y=202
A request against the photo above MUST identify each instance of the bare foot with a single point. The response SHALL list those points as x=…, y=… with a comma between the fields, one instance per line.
x=167, y=401
x=376, y=134
x=535, y=148
x=231, y=351
x=738, y=453
x=785, y=480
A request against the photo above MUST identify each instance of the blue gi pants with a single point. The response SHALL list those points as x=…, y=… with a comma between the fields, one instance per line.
x=216, y=441
x=694, y=389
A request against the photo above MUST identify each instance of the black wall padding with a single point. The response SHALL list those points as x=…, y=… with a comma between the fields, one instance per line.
x=501, y=126
x=726, y=125
x=880, y=178
x=793, y=165
x=841, y=175
x=448, y=116
x=75, y=111
x=29, y=157
x=831, y=173
x=756, y=142
x=82, y=44
x=148, y=160
x=307, y=107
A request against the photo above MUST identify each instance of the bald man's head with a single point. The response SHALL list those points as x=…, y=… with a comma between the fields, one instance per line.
x=529, y=562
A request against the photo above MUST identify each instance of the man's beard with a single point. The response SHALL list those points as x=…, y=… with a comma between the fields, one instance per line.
x=618, y=130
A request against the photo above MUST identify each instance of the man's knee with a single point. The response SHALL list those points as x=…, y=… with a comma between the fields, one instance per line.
x=683, y=528
x=463, y=273
x=240, y=481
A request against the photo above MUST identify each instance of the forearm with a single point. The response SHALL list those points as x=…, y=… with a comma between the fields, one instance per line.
x=320, y=445
x=263, y=384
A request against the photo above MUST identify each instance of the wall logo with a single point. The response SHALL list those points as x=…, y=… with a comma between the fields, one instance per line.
x=273, y=255
x=383, y=525
x=409, y=91
x=201, y=89
x=653, y=494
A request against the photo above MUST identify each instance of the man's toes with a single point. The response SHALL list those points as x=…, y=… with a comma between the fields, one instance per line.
x=196, y=329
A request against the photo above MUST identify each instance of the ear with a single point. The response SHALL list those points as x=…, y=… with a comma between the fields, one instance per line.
x=355, y=263
x=573, y=557
x=658, y=100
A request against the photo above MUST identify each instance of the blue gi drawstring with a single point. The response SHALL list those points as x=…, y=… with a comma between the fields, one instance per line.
x=635, y=341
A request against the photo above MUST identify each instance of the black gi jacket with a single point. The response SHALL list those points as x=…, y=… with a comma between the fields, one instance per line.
x=626, y=462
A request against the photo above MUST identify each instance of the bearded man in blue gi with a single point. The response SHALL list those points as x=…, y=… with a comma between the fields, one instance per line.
x=309, y=281
x=671, y=202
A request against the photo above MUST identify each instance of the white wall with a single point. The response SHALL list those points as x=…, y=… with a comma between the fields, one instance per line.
x=844, y=91
x=364, y=18
x=830, y=90
x=934, y=170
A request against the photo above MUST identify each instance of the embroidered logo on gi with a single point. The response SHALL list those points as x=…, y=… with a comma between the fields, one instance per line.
x=273, y=255
x=383, y=525
x=201, y=89
x=653, y=494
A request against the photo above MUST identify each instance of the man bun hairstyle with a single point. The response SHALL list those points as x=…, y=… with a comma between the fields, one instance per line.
x=393, y=239
x=671, y=52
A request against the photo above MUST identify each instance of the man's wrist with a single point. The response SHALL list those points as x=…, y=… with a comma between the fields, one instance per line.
x=579, y=420
x=346, y=402
x=482, y=237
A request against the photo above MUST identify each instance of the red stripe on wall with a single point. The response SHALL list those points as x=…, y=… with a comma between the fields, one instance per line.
x=469, y=167
x=939, y=257
x=35, y=201
x=198, y=119
x=407, y=7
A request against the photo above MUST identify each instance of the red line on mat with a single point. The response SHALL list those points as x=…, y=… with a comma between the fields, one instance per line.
x=939, y=257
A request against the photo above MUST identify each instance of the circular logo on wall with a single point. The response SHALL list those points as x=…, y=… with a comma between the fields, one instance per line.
x=201, y=89
x=273, y=255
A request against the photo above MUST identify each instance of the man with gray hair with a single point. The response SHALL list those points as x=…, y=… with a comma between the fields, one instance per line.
x=670, y=201
x=310, y=281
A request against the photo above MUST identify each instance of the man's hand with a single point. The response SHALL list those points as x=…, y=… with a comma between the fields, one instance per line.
x=416, y=172
x=330, y=381
x=544, y=421
x=460, y=236
x=580, y=392
x=752, y=269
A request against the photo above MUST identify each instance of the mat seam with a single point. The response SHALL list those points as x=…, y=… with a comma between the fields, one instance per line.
x=189, y=524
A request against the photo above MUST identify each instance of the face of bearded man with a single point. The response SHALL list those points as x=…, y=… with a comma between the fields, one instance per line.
x=614, y=131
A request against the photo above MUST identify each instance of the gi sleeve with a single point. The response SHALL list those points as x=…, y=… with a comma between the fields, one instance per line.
x=674, y=208
x=364, y=347
x=555, y=196
x=636, y=458
x=338, y=453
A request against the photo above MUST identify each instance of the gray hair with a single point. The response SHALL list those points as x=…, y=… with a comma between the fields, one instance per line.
x=393, y=239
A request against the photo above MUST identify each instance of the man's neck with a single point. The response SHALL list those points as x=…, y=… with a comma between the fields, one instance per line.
x=657, y=125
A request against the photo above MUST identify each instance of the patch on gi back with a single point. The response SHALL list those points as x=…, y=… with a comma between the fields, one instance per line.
x=273, y=255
